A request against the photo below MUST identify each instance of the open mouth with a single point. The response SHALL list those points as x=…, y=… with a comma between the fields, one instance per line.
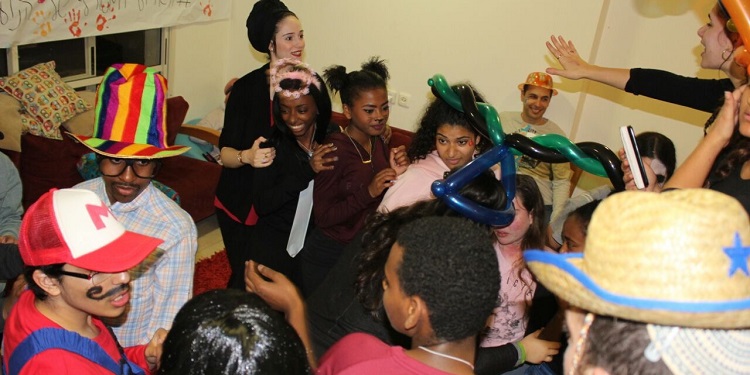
x=121, y=299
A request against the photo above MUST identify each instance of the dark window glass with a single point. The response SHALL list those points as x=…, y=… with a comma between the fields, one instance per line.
x=3, y=62
x=69, y=56
x=142, y=47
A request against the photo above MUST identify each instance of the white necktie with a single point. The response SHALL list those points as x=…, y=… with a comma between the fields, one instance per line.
x=301, y=221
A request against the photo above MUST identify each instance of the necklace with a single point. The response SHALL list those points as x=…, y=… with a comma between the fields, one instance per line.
x=467, y=363
x=357, y=148
x=309, y=150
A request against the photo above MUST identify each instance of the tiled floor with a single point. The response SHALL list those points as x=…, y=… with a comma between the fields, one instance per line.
x=209, y=238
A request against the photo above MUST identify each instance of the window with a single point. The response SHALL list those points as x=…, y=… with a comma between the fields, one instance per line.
x=82, y=62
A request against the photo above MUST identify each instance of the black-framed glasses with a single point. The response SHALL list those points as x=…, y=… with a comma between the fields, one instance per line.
x=114, y=167
x=96, y=278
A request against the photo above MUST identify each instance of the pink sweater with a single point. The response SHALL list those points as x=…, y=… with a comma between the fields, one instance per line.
x=415, y=184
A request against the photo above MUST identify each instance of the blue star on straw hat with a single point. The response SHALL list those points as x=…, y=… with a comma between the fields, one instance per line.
x=738, y=255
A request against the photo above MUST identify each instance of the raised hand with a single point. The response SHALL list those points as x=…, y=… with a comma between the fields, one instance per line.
x=399, y=160
x=573, y=66
x=383, y=180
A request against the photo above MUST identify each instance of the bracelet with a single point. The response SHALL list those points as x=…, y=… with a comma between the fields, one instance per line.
x=521, y=353
x=239, y=158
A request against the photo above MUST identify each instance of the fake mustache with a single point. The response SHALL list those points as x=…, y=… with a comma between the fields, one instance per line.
x=93, y=291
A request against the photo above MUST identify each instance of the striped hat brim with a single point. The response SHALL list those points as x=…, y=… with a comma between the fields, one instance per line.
x=128, y=150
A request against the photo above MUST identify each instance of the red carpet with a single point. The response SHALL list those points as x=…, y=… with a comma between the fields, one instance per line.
x=211, y=273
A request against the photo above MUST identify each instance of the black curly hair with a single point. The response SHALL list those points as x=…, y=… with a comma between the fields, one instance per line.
x=229, y=331
x=374, y=75
x=382, y=229
x=451, y=265
x=438, y=113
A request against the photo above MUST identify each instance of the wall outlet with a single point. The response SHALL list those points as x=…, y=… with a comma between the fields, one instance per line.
x=392, y=97
x=404, y=99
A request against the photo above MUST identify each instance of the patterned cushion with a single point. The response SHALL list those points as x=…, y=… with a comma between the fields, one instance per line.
x=47, y=101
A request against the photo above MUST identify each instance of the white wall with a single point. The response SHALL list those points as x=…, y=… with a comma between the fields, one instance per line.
x=493, y=44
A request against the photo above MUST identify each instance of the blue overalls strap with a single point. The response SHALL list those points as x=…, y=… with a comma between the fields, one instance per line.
x=58, y=338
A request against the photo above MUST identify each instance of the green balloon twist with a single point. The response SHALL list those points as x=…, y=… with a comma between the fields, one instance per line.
x=495, y=129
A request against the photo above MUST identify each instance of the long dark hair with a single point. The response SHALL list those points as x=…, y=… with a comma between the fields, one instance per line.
x=528, y=192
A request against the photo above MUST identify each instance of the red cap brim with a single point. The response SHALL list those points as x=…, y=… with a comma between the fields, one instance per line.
x=122, y=254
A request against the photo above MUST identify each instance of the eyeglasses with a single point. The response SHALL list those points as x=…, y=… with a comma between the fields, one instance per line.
x=96, y=278
x=143, y=168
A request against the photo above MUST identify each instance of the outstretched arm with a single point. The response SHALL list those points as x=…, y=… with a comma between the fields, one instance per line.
x=574, y=67
x=281, y=294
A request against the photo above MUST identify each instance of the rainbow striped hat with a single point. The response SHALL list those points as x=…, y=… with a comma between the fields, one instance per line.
x=131, y=115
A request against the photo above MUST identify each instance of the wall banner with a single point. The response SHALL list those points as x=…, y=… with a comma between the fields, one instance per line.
x=38, y=21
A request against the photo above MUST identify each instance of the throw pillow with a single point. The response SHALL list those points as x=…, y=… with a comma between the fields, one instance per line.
x=82, y=123
x=10, y=122
x=45, y=97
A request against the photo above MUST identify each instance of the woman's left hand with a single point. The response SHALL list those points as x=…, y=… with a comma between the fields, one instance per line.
x=399, y=160
x=319, y=161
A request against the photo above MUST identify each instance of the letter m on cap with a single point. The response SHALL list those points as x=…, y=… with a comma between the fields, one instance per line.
x=96, y=213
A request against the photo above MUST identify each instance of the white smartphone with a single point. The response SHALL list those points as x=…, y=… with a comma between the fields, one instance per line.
x=634, y=156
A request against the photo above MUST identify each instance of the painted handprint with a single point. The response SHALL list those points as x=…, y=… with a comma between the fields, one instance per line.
x=73, y=21
x=40, y=18
x=208, y=9
x=101, y=21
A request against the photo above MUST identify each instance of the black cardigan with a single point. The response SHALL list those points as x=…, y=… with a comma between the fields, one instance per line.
x=247, y=117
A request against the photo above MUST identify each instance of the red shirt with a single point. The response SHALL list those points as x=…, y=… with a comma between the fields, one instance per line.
x=364, y=354
x=25, y=319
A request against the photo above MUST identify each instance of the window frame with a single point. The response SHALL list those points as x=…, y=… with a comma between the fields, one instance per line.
x=89, y=80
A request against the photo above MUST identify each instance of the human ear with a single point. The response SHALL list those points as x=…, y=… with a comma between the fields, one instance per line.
x=49, y=284
x=347, y=111
x=270, y=45
x=415, y=313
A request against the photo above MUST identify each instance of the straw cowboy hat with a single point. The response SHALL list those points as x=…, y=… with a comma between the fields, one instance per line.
x=131, y=115
x=678, y=258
